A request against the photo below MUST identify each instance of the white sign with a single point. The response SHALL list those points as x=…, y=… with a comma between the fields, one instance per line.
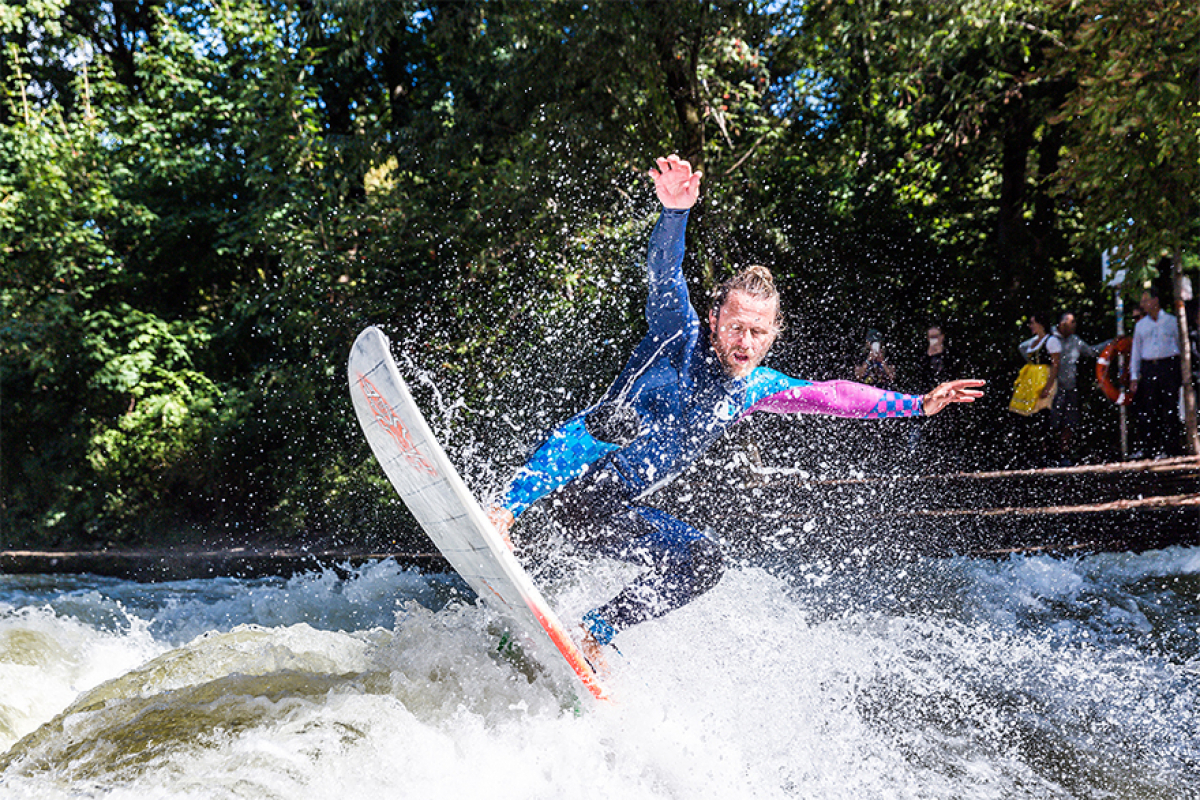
x=1108, y=273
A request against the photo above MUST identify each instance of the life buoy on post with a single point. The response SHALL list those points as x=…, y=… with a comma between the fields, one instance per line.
x=1114, y=391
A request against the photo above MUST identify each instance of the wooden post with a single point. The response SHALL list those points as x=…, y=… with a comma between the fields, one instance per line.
x=1185, y=352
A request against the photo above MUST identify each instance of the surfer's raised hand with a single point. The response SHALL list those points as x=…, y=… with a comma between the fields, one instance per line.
x=962, y=391
x=676, y=185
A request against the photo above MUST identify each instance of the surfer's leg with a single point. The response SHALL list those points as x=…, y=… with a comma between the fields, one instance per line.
x=681, y=564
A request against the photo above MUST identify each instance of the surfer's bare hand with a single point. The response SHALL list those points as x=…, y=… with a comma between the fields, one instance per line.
x=676, y=185
x=962, y=391
x=502, y=520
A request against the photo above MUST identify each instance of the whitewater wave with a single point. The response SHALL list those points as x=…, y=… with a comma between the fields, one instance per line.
x=944, y=679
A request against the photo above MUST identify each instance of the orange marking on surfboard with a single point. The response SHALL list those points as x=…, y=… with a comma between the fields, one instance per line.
x=493, y=588
x=386, y=416
x=574, y=657
x=572, y=654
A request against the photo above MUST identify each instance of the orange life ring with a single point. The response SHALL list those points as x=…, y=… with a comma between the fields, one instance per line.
x=1112, y=391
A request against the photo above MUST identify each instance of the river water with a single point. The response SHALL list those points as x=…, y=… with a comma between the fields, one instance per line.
x=1032, y=677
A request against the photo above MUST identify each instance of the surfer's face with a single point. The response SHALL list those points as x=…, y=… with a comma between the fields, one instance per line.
x=743, y=330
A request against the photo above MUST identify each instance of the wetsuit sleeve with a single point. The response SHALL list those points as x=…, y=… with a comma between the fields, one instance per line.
x=668, y=308
x=569, y=449
x=841, y=399
x=561, y=458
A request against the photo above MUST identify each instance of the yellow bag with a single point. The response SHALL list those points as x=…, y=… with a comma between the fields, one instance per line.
x=1027, y=390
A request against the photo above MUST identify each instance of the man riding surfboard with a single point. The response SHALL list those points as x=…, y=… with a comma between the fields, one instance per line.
x=682, y=388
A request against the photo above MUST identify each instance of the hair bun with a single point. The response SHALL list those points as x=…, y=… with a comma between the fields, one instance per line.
x=759, y=272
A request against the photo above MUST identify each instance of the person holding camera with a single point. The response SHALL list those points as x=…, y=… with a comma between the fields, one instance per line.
x=875, y=370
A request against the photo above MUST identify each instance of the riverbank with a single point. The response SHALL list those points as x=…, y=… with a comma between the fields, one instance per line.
x=1130, y=506
x=183, y=563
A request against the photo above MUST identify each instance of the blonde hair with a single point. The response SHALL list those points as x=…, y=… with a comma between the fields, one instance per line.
x=756, y=281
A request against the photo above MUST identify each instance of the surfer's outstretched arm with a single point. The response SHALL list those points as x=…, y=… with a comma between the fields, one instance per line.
x=859, y=401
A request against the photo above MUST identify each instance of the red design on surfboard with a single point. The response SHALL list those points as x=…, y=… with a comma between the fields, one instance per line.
x=387, y=418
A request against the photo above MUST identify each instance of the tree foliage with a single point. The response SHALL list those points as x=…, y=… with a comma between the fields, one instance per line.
x=1134, y=166
x=201, y=204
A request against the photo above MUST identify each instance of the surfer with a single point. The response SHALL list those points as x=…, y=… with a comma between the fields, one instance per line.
x=679, y=392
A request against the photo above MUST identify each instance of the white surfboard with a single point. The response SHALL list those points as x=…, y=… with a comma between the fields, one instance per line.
x=435, y=494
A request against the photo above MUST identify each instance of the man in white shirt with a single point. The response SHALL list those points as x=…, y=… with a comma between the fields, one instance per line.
x=1154, y=378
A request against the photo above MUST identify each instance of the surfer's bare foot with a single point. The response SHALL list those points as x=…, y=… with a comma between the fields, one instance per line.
x=593, y=651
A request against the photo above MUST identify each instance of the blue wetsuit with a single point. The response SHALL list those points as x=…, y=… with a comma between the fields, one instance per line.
x=669, y=405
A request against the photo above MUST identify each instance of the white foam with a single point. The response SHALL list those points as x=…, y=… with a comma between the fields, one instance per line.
x=47, y=660
x=763, y=688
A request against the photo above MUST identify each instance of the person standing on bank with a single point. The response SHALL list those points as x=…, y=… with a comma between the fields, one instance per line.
x=1041, y=348
x=1154, y=377
x=1064, y=413
x=936, y=366
x=874, y=369
x=678, y=393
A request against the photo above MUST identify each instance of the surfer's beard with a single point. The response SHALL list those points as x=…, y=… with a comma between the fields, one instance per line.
x=728, y=358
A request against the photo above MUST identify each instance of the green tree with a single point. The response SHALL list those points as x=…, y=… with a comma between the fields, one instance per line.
x=142, y=202
x=1134, y=168
x=948, y=111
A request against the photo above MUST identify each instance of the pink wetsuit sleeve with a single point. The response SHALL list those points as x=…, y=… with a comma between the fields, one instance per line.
x=841, y=399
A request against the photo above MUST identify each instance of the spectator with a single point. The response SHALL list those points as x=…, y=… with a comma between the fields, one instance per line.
x=1041, y=348
x=874, y=369
x=1064, y=413
x=1154, y=378
x=936, y=365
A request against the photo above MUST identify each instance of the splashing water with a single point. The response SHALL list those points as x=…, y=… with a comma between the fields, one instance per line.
x=1031, y=677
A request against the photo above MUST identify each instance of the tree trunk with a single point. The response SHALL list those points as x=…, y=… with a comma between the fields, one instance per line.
x=399, y=82
x=1185, y=360
x=683, y=84
x=679, y=60
x=1026, y=269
